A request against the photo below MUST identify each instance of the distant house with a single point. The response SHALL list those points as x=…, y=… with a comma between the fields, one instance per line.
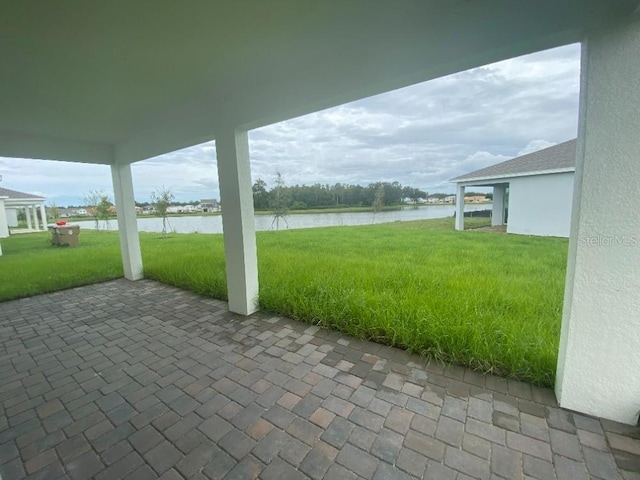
x=209, y=205
x=13, y=202
x=189, y=208
x=449, y=199
x=535, y=189
x=475, y=198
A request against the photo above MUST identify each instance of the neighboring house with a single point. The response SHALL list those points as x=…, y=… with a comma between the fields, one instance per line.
x=209, y=205
x=535, y=189
x=189, y=208
x=475, y=198
x=449, y=199
x=72, y=212
x=12, y=201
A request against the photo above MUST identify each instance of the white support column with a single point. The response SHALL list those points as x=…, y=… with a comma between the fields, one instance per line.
x=43, y=214
x=34, y=212
x=4, y=225
x=27, y=213
x=460, y=208
x=497, y=209
x=238, y=224
x=127, y=221
x=599, y=357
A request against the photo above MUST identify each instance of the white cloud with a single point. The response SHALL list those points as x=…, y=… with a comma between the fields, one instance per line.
x=421, y=135
x=535, y=145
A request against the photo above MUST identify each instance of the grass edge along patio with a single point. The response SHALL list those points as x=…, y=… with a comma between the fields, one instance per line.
x=488, y=301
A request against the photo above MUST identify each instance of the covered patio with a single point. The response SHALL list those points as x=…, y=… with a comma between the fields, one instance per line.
x=32, y=206
x=140, y=380
x=113, y=84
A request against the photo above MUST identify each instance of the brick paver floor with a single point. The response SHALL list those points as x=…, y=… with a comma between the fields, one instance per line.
x=140, y=380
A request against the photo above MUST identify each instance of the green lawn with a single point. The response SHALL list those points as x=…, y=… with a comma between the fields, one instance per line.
x=489, y=301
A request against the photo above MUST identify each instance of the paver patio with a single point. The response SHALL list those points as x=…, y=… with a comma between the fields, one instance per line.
x=141, y=380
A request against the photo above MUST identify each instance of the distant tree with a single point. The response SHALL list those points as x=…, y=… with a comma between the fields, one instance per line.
x=260, y=195
x=279, y=202
x=53, y=210
x=161, y=200
x=414, y=194
x=103, y=210
x=91, y=199
x=439, y=196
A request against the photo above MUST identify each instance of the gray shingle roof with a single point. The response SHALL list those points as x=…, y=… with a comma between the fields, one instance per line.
x=558, y=157
x=14, y=194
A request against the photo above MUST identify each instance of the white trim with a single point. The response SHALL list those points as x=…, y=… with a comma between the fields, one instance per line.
x=513, y=175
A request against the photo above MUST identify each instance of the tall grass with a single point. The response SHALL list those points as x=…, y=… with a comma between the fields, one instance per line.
x=489, y=301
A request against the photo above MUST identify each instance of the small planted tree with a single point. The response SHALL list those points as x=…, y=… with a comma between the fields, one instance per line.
x=378, y=200
x=103, y=210
x=161, y=201
x=53, y=211
x=91, y=199
x=279, y=202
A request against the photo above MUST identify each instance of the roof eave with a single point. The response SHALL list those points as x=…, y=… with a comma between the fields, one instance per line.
x=511, y=175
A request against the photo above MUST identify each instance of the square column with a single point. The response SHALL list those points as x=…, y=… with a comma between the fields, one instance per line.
x=4, y=225
x=127, y=221
x=599, y=357
x=497, y=209
x=460, y=207
x=34, y=212
x=238, y=223
x=27, y=214
x=43, y=214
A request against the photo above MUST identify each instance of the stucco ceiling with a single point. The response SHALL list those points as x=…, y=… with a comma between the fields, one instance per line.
x=122, y=81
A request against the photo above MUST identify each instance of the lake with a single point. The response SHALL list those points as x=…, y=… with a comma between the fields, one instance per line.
x=213, y=224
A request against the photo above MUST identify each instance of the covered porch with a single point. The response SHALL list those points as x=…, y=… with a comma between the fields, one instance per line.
x=32, y=208
x=105, y=95
x=137, y=380
x=499, y=206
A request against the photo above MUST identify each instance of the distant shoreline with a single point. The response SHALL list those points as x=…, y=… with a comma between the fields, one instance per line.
x=389, y=208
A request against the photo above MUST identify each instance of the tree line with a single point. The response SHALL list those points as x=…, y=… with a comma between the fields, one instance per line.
x=300, y=197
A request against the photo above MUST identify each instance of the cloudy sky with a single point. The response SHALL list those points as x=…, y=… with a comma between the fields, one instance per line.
x=421, y=136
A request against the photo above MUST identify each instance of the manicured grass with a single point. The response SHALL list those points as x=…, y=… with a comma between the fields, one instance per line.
x=489, y=301
x=31, y=265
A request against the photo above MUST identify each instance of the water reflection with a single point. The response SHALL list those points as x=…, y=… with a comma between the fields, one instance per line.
x=213, y=224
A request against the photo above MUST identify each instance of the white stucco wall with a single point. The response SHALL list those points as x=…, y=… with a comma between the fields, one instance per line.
x=12, y=216
x=599, y=356
x=541, y=204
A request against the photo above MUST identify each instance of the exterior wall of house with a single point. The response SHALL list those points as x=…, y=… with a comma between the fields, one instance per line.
x=541, y=204
x=599, y=355
x=12, y=217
